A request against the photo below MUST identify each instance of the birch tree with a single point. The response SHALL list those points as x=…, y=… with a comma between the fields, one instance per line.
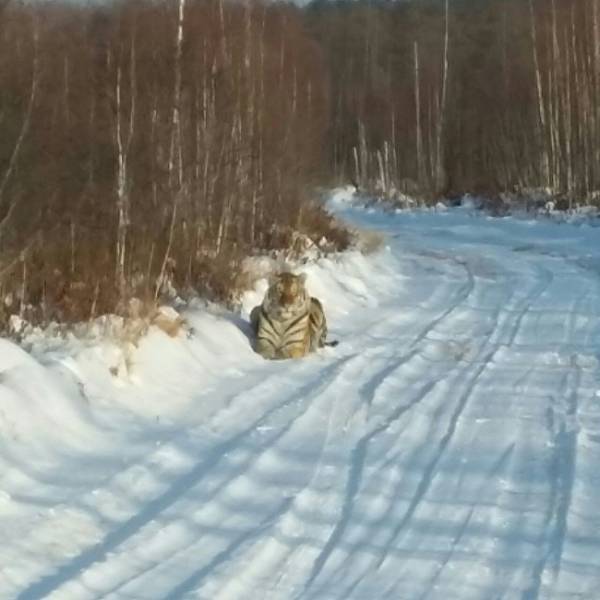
x=124, y=131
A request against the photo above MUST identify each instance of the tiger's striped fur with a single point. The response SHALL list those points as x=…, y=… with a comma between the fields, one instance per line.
x=288, y=323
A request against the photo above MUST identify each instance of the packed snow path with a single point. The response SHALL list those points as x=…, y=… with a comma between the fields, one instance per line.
x=448, y=448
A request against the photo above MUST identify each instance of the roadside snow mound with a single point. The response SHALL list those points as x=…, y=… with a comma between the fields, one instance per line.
x=38, y=408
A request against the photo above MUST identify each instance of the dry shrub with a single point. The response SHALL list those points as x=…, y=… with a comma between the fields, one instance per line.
x=141, y=315
x=319, y=225
x=217, y=278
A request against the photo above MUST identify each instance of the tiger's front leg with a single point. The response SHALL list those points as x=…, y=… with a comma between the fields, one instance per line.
x=297, y=352
x=266, y=349
x=255, y=319
x=298, y=349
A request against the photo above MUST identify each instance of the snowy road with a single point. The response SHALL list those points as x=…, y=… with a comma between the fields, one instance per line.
x=448, y=448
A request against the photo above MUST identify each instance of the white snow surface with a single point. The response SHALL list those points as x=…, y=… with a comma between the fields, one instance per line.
x=447, y=448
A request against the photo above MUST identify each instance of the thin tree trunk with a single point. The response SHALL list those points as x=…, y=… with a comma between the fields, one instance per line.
x=123, y=146
x=419, y=134
x=540, y=97
x=440, y=176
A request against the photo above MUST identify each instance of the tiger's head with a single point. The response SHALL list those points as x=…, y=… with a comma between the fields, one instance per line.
x=287, y=295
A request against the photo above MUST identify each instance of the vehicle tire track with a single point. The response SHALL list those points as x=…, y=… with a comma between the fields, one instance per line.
x=177, y=489
x=561, y=471
x=270, y=522
x=368, y=391
x=428, y=472
x=488, y=354
x=353, y=481
x=194, y=580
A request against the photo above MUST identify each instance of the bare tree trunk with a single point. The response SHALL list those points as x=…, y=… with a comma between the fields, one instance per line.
x=175, y=153
x=540, y=97
x=553, y=99
x=259, y=185
x=570, y=56
x=363, y=155
x=440, y=175
x=595, y=174
x=67, y=93
x=419, y=134
x=382, y=178
x=23, y=302
x=123, y=145
x=357, y=177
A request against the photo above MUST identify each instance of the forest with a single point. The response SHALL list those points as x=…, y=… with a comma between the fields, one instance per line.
x=148, y=146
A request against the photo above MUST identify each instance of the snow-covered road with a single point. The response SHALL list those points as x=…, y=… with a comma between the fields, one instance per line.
x=448, y=448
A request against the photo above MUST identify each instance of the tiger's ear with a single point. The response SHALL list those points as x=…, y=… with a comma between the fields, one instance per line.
x=272, y=278
x=302, y=277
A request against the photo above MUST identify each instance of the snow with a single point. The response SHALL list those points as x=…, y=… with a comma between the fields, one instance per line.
x=447, y=448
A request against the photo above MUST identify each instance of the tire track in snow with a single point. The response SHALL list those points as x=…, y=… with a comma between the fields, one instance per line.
x=368, y=391
x=561, y=422
x=427, y=477
x=428, y=472
x=500, y=536
x=359, y=452
x=177, y=489
x=358, y=456
x=500, y=464
x=353, y=483
x=381, y=522
x=461, y=297
x=257, y=558
x=561, y=470
x=243, y=469
x=193, y=581
x=77, y=499
x=545, y=280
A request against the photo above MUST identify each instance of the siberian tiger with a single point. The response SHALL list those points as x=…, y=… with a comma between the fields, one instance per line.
x=288, y=323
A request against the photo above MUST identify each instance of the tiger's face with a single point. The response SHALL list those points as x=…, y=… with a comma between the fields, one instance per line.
x=287, y=294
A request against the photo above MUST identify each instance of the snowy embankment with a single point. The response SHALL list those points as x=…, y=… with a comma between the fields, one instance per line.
x=448, y=448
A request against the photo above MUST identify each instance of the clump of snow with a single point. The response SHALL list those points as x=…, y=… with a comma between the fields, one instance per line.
x=390, y=199
x=342, y=196
x=470, y=202
x=16, y=324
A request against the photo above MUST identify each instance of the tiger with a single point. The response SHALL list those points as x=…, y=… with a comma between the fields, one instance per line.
x=289, y=323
